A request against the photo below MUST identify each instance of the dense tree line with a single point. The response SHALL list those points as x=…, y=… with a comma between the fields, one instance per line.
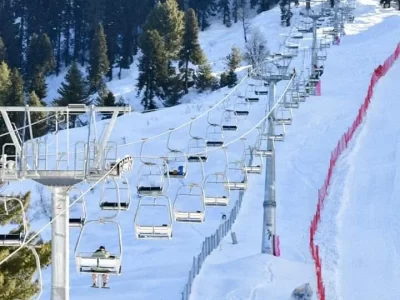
x=39, y=38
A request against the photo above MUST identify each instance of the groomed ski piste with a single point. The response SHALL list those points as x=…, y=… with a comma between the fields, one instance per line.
x=158, y=269
x=358, y=231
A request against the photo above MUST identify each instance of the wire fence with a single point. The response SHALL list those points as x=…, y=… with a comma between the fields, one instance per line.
x=212, y=242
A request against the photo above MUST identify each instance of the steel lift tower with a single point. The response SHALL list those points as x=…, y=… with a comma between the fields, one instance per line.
x=59, y=165
x=272, y=72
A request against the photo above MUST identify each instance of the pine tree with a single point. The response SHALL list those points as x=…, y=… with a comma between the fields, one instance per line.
x=74, y=89
x=168, y=20
x=108, y=99
x=99, y=64
x=3, y=51
x=40, y=56
x=226, y=12
x=204, y=9
x=205, y=80
x=153, y=68
x=38, y=84
x=16, y=96
x=17, y=275
x=5, y=82
x=191, y=50
x=233, y=60
x=40, y=128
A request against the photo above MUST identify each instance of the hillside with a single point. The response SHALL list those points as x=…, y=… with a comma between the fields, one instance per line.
x=158, y=269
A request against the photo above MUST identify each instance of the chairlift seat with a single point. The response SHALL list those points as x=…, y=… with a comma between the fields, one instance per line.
x=98, y=265
x=292, y=46
x=253, y=99
x=149, y=190
x=321, y=57
x=153, y=232
x=297, y=36
x=114, y=205
x=241, y=186
x=216, y=201
x=190, y=217
x=76, y=222
x=215, y=143
x=242, y=112
x=11, y=239
x=252, y=169
x=264, y=152
x=197, y=158
x=261, y=92
x=291, y=105
x=229, y=127
x=277, y=137
x=283, y=121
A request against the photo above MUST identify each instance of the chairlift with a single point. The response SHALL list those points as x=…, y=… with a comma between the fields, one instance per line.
x=175, y=164
x=284, y=116
x=297, y=36
x=239, y=168
x=251, y=95
x=229, y=120
x=292, y=103
x=115, y=195
x=14, y=239
x=76, y=222
x=263, y=147
x=197, y=149
x=241, y=107
x=189, y=204
x=150, y=179
x=322, y=54
x=238, y=175
x=216, y=189
x=214, y=136
x=153, y=227
x=86, y=263
x=253, y=162
x=39, y=271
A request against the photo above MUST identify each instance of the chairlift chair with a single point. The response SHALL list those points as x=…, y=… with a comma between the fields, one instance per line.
x=39, y=271
x=175, y=164
x=284, y=117
x=186, y=195
x=322, y=54
x=263, y=147
x=251, y=95
x=239, y=168
x=297, y=36
x=197, y=149
x=14, y=239
x=77, y=222
x=147, y=173
x=117, y=196
x=255, y=165
x=241, y=107
x=229, y=120
x=214, y=136
x=154, y=228
x=213, y=195
x=86, y=264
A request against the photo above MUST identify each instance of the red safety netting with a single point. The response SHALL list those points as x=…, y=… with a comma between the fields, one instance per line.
x=379, y=72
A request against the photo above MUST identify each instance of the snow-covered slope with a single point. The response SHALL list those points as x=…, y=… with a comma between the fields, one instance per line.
x=157, y=269
x=239, y=271
x=359, y=236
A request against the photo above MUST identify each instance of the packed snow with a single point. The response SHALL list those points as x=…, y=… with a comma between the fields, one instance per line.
x=158, y=269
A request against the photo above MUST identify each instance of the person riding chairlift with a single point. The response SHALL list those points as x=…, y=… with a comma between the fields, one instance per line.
x=100, y=253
